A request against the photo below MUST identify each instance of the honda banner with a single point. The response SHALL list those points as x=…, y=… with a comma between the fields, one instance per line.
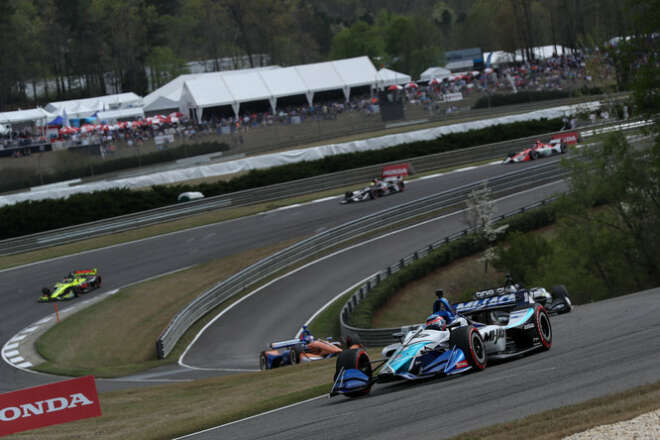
x=45, y=405
x=402, y=169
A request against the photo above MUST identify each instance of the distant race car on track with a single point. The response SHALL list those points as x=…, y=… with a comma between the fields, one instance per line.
x=456, y=339
x=306, y=348
x=378, y=188
x=74, y=284
x=557, y=145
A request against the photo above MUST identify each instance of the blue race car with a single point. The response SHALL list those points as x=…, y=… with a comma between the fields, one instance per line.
x=451, y=342
x=305, y=348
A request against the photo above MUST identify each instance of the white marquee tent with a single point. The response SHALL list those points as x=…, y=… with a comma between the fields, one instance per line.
x=37, y=115
x=435, y=72
x=121, y=114
x=386, y=77
x=83, y=108
x=236, y=87
x=167, y=97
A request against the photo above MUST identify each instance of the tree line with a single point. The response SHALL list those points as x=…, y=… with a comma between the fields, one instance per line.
x=83, y=48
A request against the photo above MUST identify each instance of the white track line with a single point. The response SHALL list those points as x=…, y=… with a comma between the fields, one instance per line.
x=252, y=417
x=325, y=257
x=326, y=305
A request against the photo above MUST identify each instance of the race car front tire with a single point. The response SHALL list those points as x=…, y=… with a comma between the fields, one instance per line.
x=354, y=358
x=263, y=361
x=469, y=340
x=543, y=327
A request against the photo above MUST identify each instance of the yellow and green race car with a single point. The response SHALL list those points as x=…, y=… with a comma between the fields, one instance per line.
x=75, y=283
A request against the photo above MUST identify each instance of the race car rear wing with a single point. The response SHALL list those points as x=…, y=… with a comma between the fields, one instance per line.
x=504, y=301
x=286, y=344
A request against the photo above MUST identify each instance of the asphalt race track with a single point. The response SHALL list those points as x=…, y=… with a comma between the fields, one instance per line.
x=599, y=348
x=128, y=263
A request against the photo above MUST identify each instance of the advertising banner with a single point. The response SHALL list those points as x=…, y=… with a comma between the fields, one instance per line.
x=51, y=404
x=402, y=169
x=570, y=137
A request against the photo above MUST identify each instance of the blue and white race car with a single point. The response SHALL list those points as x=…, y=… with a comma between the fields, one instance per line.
x=452, y=341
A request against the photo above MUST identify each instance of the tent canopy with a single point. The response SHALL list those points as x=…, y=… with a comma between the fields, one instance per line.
x=435, y=72
x=22, y=116
x=387, y=77
x=80, y=108
x=236, y=87
x=125, y=113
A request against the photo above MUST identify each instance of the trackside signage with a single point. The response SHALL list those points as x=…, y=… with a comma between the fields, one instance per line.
x=59, y=402
x=402, y=169
x=570, y=137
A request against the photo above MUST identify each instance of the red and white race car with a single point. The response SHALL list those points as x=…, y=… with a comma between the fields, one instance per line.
x=557, y=145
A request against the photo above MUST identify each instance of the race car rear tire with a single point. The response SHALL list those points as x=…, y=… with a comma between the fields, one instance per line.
x=562, y=147
x=97, y=282
x=263, y=361
x=543, y=327
x=533, y=155
x=354, y=358
x=469, y=340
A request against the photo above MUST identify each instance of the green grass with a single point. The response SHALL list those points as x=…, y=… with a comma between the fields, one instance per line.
x=117, y=336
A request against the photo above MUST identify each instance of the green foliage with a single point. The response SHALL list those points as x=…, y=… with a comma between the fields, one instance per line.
x=521, y=255
x=362, y=315
x=42, y=216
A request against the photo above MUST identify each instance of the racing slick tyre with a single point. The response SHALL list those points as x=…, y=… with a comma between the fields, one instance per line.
x=263, y=361
x=543, y=327
x=533, y=155
x=354, y=358
x=469, y=340
x=371, y=195
x=97, y=282
x=562, y=147
x=294, y=355
x=77, y=291
x=560, y=296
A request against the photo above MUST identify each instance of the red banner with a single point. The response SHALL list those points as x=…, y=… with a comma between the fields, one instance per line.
x=402, y=169
x=59, y=402
x=570, y=137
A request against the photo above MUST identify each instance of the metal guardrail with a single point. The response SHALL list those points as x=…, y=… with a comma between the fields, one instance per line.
x=259, y=195
x=512, y=181
x=378, y=337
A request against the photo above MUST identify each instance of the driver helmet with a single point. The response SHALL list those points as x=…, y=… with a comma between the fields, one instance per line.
x=436, y=322
x=306, y=335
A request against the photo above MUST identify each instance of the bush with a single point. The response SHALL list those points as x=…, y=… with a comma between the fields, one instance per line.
x=464, y=247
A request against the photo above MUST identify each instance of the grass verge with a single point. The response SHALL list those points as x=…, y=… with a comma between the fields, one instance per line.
x=116, y=337
x=167, y=411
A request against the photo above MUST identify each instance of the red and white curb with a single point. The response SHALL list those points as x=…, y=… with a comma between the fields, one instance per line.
x=19, y=351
